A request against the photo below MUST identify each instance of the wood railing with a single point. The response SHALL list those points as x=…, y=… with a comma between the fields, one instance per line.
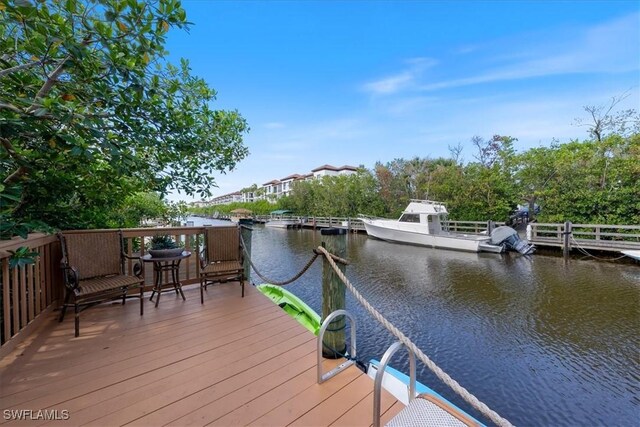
x=29, y=290
x=587, y=236
x=470, y=227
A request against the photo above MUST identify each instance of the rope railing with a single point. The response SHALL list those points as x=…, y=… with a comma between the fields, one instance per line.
x=284, y=282
x=443, y=376
x=585, y=252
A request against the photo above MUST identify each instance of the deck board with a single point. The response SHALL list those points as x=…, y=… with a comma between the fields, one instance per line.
x=231, y=361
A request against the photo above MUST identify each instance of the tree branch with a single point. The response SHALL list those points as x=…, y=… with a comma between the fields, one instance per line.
x=48, y=85
x=10, y=107
x=18, y=68
x=6, y=144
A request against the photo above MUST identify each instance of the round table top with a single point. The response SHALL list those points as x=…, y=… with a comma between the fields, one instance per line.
x=149, y=258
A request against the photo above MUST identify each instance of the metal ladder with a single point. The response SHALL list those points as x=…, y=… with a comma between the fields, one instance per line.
x=322, y=377
x=377, y=384
x=377, y=387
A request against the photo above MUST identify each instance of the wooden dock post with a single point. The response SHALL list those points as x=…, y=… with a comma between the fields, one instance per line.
x=566, y=245
x=246, y=232
x=333, y=293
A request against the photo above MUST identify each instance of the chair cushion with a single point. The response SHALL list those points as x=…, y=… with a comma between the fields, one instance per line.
x=221, y=268
x=99, y=285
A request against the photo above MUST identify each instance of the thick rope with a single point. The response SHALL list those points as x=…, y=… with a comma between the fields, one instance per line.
x=466, y=395
x=584, y=252
x=285, y=282
x=297, y=276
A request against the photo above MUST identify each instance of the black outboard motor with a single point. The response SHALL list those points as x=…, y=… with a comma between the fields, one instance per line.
x=509, y=237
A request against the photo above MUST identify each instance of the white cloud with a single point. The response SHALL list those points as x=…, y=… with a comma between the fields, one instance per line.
x=403, y=80
x=611, y=47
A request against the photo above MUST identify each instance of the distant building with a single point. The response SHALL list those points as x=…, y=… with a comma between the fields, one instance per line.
x=272, y=190
x=328, y=170
x=227, y=198
x=277, y=188
x=287, y=183
x=200, y=203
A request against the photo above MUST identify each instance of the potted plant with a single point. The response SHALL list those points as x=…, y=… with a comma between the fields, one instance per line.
x=163, y=246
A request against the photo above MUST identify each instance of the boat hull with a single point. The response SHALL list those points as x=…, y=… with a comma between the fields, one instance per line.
x=632, y=254
x=416, y=234
x=282, y=223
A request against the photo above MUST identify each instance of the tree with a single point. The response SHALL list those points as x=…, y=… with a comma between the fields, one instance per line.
x=537, y=168
x=604, y=120
x=90, y=110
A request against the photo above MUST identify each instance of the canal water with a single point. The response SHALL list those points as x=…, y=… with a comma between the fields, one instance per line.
x=541, y=340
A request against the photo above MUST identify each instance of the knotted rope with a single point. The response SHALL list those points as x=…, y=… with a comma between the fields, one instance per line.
x=444, y=377
x=285, y=282
x=316, y=254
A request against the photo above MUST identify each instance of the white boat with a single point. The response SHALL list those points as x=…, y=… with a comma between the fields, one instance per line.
x=278, y=221
x=241, y=216
x=282, y=223
x=421, y=224
x=632, y=254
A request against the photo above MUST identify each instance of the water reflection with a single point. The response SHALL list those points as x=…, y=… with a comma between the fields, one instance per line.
x=540, y=340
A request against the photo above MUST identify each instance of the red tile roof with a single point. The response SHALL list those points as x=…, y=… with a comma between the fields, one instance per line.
x=294, y=176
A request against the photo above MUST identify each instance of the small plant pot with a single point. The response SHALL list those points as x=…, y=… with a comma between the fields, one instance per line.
x=165, y=253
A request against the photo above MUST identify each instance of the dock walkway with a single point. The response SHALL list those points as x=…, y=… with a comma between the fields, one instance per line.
x=231, y=361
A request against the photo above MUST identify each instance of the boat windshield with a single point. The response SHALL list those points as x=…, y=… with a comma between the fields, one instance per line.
x=410, y=217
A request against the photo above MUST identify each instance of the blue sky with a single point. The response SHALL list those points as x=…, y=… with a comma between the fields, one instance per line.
x=357, y=82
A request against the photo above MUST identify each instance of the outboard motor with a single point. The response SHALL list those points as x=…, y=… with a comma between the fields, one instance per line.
x=509, y=237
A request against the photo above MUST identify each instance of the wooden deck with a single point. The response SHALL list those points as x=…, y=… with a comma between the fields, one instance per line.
x=231, y=361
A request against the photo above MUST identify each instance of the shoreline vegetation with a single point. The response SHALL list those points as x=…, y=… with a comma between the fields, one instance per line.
x=593, y=181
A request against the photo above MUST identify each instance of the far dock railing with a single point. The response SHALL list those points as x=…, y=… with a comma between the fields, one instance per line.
x=570, y=236
x=356, y=224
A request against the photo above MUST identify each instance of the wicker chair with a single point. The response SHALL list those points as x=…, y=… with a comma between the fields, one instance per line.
x=93, y=269
x=222, y=257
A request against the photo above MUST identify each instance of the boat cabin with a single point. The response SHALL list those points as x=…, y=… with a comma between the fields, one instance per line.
x=427, y=212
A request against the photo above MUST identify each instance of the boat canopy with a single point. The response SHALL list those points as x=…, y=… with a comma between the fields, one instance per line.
x=425, y=207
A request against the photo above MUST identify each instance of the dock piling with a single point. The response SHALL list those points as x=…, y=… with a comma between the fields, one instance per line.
x=566, y=246
x=246, y=232
x=333, y=293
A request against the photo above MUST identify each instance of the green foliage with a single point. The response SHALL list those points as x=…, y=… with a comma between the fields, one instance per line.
x=22, y=256
x=163, y=241
x=90, y=111
x=345, y=195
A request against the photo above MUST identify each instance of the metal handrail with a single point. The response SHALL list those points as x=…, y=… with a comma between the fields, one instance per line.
x=322, y=377
x=377, y=385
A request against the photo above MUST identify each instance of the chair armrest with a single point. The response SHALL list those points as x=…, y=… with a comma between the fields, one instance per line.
x=138, y=271
x=70, y=275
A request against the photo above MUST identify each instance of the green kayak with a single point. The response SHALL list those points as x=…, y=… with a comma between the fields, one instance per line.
x=293, y=305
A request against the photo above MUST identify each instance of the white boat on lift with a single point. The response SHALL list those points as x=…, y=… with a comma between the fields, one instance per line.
x=421, y=224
